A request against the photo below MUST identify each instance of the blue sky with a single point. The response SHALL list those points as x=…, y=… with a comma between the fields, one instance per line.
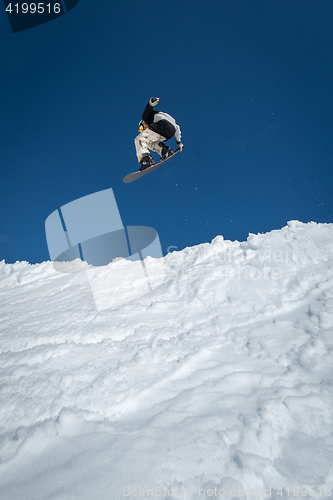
x=249, y=82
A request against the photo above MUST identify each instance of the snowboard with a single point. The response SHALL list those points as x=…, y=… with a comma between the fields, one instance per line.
x=140, y=173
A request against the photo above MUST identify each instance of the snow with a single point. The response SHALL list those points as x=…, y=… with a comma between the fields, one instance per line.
x=217, y=383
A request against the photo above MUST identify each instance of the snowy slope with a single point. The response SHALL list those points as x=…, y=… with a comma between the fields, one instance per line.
x=216, y=384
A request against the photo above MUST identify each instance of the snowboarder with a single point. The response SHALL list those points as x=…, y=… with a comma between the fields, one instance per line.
x=155, y=127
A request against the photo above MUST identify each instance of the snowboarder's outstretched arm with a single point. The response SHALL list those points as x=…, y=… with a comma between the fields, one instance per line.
x=178, y=134
x=149, y=112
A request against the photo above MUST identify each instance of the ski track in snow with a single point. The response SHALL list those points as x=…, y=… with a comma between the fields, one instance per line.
x=219, y=378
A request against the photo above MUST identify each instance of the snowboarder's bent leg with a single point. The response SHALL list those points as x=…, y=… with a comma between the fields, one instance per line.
x=148, y=140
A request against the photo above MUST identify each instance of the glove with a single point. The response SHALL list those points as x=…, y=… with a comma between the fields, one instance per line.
x=153, y=101
x=180, y=146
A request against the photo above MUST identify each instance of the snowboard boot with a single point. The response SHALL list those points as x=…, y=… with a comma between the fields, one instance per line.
x=166, y=151
x=146, y=161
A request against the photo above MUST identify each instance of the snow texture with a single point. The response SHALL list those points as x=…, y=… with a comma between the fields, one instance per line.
x=218, y=383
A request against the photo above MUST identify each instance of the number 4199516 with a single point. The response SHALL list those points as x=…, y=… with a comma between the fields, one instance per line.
x=34, y=8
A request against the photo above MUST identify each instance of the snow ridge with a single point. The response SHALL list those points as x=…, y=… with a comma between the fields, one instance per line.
x=219, y=379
